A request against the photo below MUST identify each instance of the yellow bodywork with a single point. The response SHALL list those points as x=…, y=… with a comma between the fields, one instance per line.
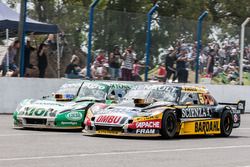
x=200, y=127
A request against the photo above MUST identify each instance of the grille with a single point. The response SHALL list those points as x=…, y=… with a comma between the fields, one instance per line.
x=36, y=121
x=109, y=128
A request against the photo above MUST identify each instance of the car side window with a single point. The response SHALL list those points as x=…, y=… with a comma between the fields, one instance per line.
x=189, y=97
x=206, y=99
x=116, y=93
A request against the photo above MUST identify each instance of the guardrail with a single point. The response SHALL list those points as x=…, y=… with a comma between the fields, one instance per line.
x=13, y=90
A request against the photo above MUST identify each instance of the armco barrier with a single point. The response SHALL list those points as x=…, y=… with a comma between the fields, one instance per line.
x=13, y=90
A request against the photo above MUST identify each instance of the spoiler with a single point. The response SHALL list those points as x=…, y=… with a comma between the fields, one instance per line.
x=240, y=105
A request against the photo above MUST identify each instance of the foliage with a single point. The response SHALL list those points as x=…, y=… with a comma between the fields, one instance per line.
x=123, y=22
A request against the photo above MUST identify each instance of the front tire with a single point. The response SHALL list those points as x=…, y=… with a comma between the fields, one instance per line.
x=226, y=124
x=169, y=125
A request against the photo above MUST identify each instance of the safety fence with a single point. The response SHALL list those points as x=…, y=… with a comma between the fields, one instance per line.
x=123, y=29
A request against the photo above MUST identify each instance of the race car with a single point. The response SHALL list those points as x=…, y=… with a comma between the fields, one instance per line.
x=66, y=109
x=163, y=110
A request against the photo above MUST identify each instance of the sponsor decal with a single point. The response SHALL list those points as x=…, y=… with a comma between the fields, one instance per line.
x=149, y=124
x=107, y=132
x=200, y=127
x=40, y=112
x=207, y=126
x=148, y=118
x=108, y=119
x=196, y=112
x=74, y=116
x=69, y=123
x=145, y=131
x=48, y=103
x=193, y=89
x=236, y=118
x=93, y=86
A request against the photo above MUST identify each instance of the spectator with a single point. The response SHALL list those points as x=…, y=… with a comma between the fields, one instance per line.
x=101, y=57
x=181, y=61
x=169, y=64
x=51, y=41
x=127, y=65
x=210, y=62
x=115, y=63
x=42, y=59
x=161, y=73
x=11, y=53
x=28, y=49
x=73, y=70
x=136, y=70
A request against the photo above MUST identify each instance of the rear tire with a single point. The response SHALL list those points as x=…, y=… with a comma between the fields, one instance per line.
x=169, y=125
x=226, y=124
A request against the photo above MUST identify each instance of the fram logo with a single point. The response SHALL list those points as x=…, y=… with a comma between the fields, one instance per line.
x=108, y=119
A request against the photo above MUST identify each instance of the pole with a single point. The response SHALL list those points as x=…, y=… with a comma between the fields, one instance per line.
x=58, y=55
x=7, y=42
x=242, y=48
x=21, y=35
x=148, y=42
x=91, y=18
x=199, y=44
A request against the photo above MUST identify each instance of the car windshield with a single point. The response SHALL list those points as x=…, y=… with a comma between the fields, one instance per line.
x=158, y=93
x=137, y=94
x=92, y=92
x=163, y=95
x=71, y=88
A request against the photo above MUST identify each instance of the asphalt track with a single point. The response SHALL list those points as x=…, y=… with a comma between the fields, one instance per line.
x=33, y=148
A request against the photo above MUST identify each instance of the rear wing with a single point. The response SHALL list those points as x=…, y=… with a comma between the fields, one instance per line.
x=239, y=106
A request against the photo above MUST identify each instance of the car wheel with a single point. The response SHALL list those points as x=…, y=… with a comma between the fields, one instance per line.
x=169, y=125
x=226, y=124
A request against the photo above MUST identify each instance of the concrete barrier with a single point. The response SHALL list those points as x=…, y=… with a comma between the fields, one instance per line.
x=13, y=90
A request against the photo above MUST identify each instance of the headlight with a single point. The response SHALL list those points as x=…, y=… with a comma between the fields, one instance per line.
x=19, y=107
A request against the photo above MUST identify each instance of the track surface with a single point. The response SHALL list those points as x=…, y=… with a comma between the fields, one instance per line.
x=33, y=148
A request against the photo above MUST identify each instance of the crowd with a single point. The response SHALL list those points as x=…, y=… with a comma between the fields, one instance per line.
x=216, y=60
x=116, y=65
x=8, y=65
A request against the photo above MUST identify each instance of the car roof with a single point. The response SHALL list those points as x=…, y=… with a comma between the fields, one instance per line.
x=194, y=89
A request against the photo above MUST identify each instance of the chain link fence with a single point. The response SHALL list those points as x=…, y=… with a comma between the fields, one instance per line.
x=124, y=29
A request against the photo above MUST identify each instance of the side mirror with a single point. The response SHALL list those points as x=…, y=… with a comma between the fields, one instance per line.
x=111, y=97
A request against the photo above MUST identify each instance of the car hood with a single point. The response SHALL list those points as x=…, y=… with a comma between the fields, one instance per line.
x=121, y=114
x=118, y=115
x=48, y=107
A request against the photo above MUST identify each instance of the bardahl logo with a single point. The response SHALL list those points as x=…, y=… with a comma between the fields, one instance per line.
x=207, y=126
x=196, y=112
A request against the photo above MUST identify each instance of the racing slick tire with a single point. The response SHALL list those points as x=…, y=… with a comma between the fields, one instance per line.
x=226, y=124
x=169, y=125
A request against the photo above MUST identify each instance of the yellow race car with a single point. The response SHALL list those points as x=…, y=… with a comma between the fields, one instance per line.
x=163, y=110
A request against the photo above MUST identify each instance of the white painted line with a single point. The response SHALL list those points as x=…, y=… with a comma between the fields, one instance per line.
x=33, y=134
x=244, y=128
x=123, y=153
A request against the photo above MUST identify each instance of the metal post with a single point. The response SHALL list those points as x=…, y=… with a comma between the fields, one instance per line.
x=7, y=53
x=199, y=44
x=148, y=43
x=21, y=33
x=91, y=17
x=242, y=48
x=58, y=56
